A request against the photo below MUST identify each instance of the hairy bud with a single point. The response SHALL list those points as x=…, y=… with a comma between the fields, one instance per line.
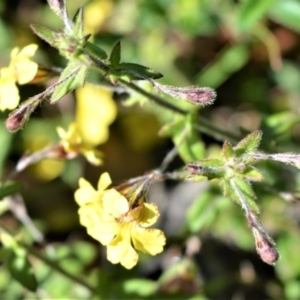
x=193, y=94
x=17, y=119
x=58, y=6
x=265, y=247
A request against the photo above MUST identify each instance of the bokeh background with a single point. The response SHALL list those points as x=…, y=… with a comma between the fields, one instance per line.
x=250, y=55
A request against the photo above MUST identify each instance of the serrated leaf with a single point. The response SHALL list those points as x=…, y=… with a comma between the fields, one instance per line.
x=115, y=55
x=201, y=213
x=241, y=191
x=227, y=151
x=287, y=13
x=72, y=77
x=78, y=29
x=250, y=12
x=137, y=72
x=249, y=144
x=95, y=51
x=252, y=174
x=9, y=189
x=21, y=270
x=45, y=34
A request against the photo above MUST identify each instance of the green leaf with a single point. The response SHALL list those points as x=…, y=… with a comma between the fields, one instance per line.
x=240, y=191
x=201, y=213
x=287, y=13
x=9, y=189
x=45, y=34
x=95, y=51
x=115, y=55
x=250, y=12
x=78, y=30
x=141, y=287
x=249, y=144
x=21, y=270
x=227, y=151
x=137, y=72
x=72, y=77
x=252, y=174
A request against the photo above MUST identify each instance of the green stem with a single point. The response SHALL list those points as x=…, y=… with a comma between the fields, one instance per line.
x=153, y=97
x=50, y=262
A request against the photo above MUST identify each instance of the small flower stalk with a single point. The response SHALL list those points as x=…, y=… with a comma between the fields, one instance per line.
x=119, y=218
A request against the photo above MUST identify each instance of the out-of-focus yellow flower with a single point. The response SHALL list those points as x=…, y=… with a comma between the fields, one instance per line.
x=123, y=229
x=74, y=144
x=21, y=70
x=95, y=111
x=96, y=13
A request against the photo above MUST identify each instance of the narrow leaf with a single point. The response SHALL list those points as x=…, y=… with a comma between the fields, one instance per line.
x=252, y=174
x=227, y=151
x=95, y=51
x=287, y=13
x=249, y=144
x=21, y=270
x=250, y=12
x=72, y=77
x=137, y=72
x=45, y=34
x=115, y=55
x=78, y=24
x=242, y=192
x=9, y=189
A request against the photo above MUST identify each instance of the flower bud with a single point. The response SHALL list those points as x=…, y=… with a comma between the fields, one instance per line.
x=58, y=6
x=193, y=94
x=17, y=119
x=265, y=247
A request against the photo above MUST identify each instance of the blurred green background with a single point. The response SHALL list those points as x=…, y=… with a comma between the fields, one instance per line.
x=249, y=52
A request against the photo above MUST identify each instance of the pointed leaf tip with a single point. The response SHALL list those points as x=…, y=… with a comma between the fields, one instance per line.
x=249, y=144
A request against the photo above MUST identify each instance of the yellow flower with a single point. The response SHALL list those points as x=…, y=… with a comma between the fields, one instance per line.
x=21, y=70
x=74, y=144
x=110, y=220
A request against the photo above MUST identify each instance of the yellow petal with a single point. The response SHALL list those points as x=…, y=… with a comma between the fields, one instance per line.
x=121, y=251
x=86, y=193
x=146, y=214
x=9, y=95
x=104, y=181
x=114, y=203
x=14, y=53
x=25, y=71
x=104, y=231
x=148, y=240
x=28, y=51
x=93, y=156
x=90, y=215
